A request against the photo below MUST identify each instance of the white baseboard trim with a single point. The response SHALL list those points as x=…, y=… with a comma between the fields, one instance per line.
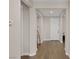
x=23, y=54
x=52, y=40
x=42, y=41
x=15, y=57
x=61, y=41
x=30, y=54
x=33, y=53
x=48, y=39
x=67, y=53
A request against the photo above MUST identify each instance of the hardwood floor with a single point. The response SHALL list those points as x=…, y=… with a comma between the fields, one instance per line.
x=49, y=50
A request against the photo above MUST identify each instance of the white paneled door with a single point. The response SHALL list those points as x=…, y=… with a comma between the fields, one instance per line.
x=54, y=28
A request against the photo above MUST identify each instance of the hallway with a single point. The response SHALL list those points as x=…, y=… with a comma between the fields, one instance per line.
x=42, y=22
x=49, y=50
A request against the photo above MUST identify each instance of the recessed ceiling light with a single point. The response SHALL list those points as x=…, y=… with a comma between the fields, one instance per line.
x=51, y=11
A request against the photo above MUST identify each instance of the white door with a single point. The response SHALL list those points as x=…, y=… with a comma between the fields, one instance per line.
x=54, y=28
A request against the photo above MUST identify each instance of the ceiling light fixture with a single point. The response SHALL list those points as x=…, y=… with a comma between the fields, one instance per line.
x=51, y=11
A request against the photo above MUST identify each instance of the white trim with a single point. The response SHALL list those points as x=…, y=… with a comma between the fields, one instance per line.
x=41, y=41
x=32, y=54
x=51, y=39
x=27, y=2
x=29, y=54
x=14, y=58
x=24, y=54
x=67, y=53
x=61, y=41
x=46, y=40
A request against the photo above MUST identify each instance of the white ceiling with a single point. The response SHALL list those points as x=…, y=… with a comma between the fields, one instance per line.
x=50, y=0
x=51, y=3
x=55, y=12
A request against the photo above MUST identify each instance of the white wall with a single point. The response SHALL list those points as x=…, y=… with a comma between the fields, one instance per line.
x=67, y=42
x=54, y=28
x=46, y=28
x=64, y=23
x=66, y=29
x=40, y=26
x=25, y=29
x=14, y=30
x=62, y=26
x=51, y=28
x=33, y=32
x=30, y=47
x=49, y=4
x=39, y=38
